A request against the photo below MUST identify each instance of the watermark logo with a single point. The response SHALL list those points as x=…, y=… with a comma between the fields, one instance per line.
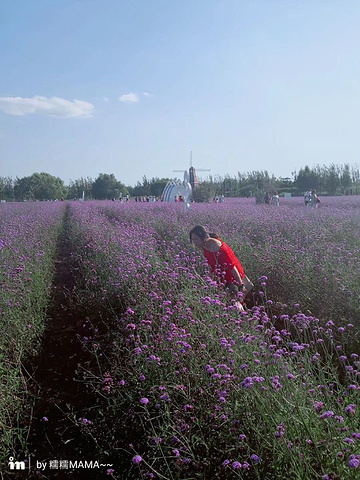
x=71, y=464
x=15, y=465
x=57, y=464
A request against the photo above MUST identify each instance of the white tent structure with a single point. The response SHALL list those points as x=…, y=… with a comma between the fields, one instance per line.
x=173, y=190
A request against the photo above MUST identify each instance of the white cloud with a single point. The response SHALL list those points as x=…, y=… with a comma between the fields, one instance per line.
x=147, y=94
x=52, y=106
x=129, y=98
x=106, y=99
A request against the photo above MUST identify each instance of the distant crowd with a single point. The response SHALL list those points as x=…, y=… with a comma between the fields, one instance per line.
x=311, y=199
x=272, y=199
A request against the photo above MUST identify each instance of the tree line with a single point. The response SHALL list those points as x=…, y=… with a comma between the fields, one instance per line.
x=327, y=180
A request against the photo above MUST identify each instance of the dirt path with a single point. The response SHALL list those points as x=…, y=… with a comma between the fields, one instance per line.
x=57, y=436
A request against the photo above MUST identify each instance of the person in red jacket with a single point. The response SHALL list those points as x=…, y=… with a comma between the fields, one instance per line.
x=221, y=259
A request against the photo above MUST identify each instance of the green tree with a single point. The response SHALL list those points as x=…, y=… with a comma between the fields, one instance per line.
x=39, y=186
x=153, y=187
x=6, y=189
x=332, y=179
x=157, y=186
x=106, y=186
x=204, y=192
x=307, y=179
x=345, y=179
x=77, y=187
x=355, y=177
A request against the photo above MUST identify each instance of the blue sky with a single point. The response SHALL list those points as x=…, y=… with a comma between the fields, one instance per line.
x=130, y=87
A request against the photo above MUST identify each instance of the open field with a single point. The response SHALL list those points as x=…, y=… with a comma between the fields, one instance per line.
x=118, y=347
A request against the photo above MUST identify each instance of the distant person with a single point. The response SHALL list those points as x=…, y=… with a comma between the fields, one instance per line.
x=314, y=199
x=222, y=199
x=267, y=198
x=275, y=199
x=307, y=198
x=221, y=259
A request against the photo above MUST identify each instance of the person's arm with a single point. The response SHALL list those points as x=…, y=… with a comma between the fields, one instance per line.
x=236, y=275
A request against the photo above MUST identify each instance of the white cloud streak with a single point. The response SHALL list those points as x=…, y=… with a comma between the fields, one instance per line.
x=129, y=98
x=49, y=106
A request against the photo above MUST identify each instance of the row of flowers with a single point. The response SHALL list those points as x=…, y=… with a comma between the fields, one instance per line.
x=190, y=385
x=28, y=241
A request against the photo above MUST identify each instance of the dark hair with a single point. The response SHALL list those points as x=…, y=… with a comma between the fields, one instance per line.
x=200, y=231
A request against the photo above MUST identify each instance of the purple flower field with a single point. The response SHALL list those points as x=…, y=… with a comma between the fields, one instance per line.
x=184, y=385
x=28, y=237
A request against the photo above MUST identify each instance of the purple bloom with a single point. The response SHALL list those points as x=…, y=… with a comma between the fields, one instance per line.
x=318, y=406
x=280, y=431
x=350, y=409
x=353, y=463
x=327, y=414
x=84, y=421
x=236, y=465
x=254, y=458
x=137, y=459
x=157, y=440
x=144, y=401
x=247, y=382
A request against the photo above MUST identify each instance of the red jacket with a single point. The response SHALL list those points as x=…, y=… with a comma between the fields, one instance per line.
x=222, y=262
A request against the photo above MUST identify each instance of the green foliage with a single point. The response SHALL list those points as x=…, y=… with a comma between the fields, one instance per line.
x=204, y=192
x=153, y=187
x=6, y=189
x=77, y=187
x=106, y=186
x=307, y=179
x=39, y=186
